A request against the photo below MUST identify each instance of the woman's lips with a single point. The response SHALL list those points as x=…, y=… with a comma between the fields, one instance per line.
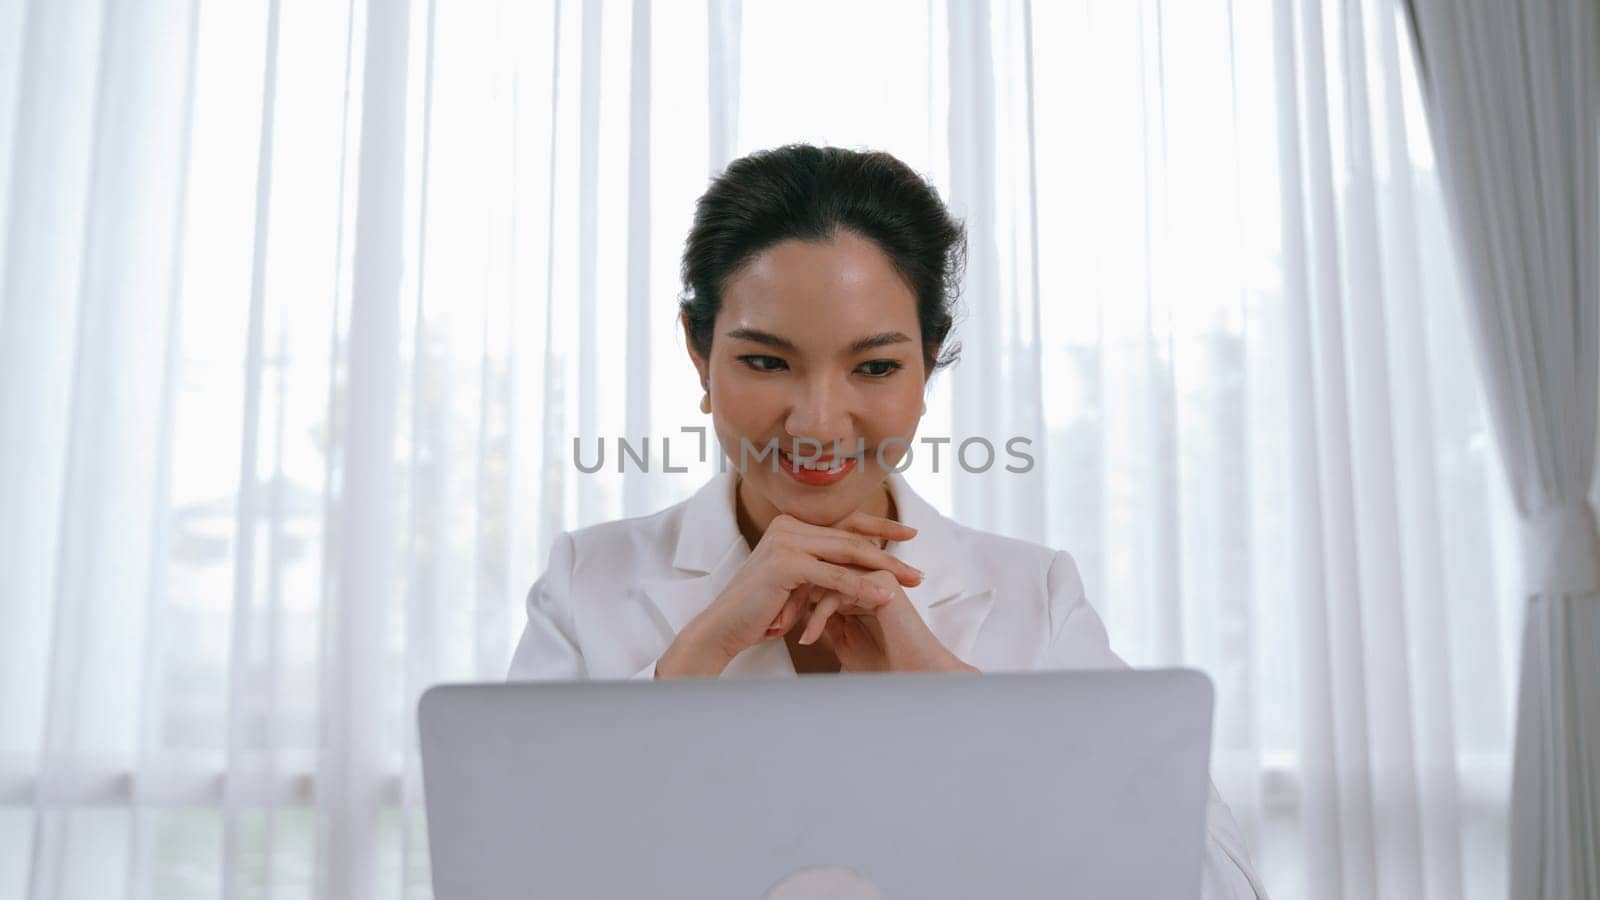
x=817, y=477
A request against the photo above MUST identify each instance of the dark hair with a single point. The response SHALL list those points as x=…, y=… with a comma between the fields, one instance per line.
x=809, y=193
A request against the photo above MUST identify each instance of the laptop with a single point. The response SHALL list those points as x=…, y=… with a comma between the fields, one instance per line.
x=865, y=787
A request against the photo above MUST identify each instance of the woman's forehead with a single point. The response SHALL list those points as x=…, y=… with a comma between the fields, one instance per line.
x=842, y=289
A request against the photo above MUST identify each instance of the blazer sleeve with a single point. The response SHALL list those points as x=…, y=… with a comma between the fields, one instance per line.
x=549, y=649
x=1078, y=640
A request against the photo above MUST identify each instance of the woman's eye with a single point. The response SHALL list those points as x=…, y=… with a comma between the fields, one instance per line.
x=878, y=368
x=764, y=363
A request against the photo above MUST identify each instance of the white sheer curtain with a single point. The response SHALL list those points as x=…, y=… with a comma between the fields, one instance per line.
x=305, y=302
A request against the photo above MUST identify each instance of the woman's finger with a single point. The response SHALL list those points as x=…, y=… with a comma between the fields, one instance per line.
x=876, y=526
x=857, y=606
x=846, y=549
x=867, y=526
x=790, y=613
x=838, y=578
x=819, y=617
x=854, y=645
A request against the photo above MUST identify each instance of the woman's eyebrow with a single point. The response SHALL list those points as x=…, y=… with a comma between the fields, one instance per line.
x=878, y=340
x=761, y=337
x=870, y=342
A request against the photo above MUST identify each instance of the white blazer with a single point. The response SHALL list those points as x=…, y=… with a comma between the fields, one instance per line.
x=615, y=595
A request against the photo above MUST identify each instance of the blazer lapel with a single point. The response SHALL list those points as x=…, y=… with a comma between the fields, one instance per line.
x=707, y=550
x=952, y=599
x=708, y=553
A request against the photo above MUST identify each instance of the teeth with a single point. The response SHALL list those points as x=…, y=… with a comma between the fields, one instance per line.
x=831, y=466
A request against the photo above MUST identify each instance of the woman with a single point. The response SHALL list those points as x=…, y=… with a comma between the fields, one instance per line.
x=819, y=286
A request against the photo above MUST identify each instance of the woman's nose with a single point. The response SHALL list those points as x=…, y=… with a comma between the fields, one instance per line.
x=820, y=412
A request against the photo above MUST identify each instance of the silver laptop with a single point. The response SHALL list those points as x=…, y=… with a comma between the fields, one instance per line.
x=900, y=787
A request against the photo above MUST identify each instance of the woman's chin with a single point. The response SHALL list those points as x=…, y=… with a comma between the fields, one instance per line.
x=814, y=514
x=822, y=505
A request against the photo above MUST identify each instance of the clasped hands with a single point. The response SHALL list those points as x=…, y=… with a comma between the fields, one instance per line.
x=837, y=579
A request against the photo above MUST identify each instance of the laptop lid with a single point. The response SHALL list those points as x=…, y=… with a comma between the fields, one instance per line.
x=904, y=787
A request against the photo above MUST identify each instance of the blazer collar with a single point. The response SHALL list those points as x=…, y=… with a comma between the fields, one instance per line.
x=710, y=549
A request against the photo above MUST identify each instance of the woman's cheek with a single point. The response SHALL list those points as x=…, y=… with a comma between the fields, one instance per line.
x=737, y=404
x=892, y=447
x=898, y=419
x=753, y=405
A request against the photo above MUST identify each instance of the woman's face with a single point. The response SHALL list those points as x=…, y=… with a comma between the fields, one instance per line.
x=815, y=343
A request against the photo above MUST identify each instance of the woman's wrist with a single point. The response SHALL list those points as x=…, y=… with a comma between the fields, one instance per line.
x=695, y=653
x=923, y=652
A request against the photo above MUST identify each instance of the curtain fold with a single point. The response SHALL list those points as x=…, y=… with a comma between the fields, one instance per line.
x=350, y=779
x=1513, y=94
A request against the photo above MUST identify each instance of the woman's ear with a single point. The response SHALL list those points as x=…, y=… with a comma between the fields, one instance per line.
x=701, y=364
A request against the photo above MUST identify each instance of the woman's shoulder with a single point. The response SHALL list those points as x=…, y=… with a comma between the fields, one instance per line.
x=630, y=543
x=1003, y=558
x=1011, y=548
x=1019, y=565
